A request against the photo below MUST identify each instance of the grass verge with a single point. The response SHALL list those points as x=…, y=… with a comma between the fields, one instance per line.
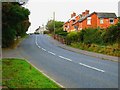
x=112, y=50
x=18, y=73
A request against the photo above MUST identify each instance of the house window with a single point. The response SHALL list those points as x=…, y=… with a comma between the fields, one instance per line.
x=101, y=21
x=73, y=20
x=89, y=21
x=76, y=27
x=111, y=20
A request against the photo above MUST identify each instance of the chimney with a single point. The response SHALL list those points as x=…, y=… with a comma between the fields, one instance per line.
x=83, y=14
x=86, y=12
x=73, y=14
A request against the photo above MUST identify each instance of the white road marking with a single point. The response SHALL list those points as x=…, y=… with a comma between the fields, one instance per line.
x=36, y=41
x=43, y=49
x=51, y=53
x=65, y=58
x=91, y=67
x=39, y=46
x=70, y=59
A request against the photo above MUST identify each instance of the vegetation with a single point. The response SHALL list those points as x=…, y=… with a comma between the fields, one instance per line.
x=18, y=73
x=112, y=50
x=104, y=41
x=15, y=22
x=58, y=27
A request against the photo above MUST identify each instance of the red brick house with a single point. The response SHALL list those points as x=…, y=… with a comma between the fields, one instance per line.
x=93, y=20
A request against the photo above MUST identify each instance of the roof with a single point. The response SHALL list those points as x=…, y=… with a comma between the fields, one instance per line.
x=73, y=18
x=106, y=15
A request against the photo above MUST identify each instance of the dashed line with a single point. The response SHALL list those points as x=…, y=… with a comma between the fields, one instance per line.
x=91, y=67
x=65, y=58
x=36, y=43
x=70, y=59
x=39, y=46
x=43, y=49
x=51, y=53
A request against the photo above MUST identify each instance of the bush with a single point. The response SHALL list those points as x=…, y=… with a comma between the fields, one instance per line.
x=60, y=31
x=112, y=34
x=46, y=32
x=81, y=35
x=72, y=37
x=90, y=36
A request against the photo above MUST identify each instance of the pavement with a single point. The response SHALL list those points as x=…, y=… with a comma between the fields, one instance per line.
x=68, y=68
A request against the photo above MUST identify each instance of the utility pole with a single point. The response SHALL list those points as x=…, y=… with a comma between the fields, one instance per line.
x=54, y=21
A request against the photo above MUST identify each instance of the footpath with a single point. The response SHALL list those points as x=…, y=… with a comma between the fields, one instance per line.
x=93, y=54
x=11, y=53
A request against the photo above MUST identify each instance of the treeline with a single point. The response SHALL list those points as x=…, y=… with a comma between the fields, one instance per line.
x=15, y=22
x=58, y=27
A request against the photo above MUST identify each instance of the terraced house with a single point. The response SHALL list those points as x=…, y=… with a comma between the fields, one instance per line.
x=93, y=20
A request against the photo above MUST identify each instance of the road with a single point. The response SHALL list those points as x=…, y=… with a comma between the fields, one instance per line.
x=70, y=69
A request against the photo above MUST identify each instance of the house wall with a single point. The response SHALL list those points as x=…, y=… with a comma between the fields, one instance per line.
x=80, y=26
x=77, y=17
x=106, y=22
x=83, y=24
x=94, y=20
x=71, y=28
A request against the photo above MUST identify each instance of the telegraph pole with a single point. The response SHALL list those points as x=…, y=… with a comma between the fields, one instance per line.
x=54, y=21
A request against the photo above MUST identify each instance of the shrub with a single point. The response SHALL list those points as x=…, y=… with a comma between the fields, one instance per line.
x=112, y=34
x=72, y=37
x=46, y=32
x=60, y=31
x=92, y=36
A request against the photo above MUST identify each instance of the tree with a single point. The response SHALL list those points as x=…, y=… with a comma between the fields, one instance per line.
x=15, y=22
x=50, y=26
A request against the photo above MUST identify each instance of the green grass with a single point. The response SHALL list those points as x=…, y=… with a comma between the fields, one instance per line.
x=19, y=73
x=112, y=50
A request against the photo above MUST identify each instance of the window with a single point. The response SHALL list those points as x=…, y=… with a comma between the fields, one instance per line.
x=101, y=21
x=89, y=21
x=111, y=20
x=73, y=20
x=76, y=27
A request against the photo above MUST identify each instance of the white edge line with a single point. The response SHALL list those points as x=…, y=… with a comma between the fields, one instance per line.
x=51, y=53
x=91, y=67
x=45, y=74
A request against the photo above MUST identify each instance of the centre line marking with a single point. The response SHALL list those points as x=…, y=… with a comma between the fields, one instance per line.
x=91, y=67
x=65, y=58
x=70, y=59
x=39, y=46
x=43, y=49
x=51, y=53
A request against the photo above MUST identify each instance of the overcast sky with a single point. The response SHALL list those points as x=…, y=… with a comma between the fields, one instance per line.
x=42, y=10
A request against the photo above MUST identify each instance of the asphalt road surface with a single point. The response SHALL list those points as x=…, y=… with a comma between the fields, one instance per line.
x=70, y=69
